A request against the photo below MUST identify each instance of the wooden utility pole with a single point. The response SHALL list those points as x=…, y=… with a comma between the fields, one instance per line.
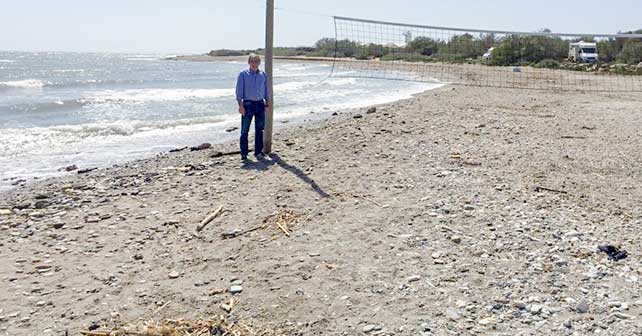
x=269, y=44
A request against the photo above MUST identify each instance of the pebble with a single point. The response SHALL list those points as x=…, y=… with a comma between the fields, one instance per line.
x=469, y=207
x=235, y=289
x=453, y=314
x=371, y=327
x=173, y=274
x=414, y=278
x=535, y=309
x=582, y=307
x=455, y=239
x=487, y=320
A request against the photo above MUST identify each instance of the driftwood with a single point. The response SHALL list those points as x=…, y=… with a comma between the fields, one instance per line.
x=209, y=218
x=95, y=333
x=538, y=189
x=287, y=233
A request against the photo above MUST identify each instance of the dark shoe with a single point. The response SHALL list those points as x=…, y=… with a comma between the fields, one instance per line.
x=243, y=158
x=259, y=156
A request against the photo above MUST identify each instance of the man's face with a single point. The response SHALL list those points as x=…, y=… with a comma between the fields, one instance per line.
x=254, y=64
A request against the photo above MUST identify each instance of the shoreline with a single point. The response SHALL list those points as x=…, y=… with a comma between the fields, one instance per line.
x=462, y=209
x=225, y=139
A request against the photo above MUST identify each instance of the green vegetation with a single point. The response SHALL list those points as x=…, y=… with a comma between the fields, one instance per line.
x=541, y=51
x=548, y=64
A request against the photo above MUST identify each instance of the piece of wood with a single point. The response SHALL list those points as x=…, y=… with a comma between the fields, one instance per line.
x=95, y=333
x=209, y=218
x=287, y=233
x=161, y=307
x=538, y=189
x=269, y=44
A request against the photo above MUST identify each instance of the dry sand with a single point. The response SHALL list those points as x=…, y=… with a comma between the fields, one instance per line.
x=462, y=211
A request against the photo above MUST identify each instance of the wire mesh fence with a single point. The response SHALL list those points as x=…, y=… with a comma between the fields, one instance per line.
x=538, y=60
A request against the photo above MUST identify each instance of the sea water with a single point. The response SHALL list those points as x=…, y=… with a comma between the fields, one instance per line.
x=98, y=109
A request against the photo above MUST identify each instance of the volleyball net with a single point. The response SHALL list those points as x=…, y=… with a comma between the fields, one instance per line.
x=529, y=60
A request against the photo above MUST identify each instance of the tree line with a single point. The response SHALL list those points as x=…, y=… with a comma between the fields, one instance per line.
x=508, y=50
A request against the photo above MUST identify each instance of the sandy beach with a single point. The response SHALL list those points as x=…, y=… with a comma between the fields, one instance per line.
x=461, y=211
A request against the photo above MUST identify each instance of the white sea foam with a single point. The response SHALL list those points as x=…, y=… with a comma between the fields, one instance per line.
x=151, y=95
x=23, y=84
x=7, y=61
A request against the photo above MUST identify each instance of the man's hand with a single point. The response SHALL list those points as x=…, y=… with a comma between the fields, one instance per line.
x=242, y=110
x=267, y=108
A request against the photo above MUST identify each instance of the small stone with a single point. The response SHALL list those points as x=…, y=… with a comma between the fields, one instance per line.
x=469, y=207
x=41, y=204
x=374, y=109
x=414, y=278
x=357, y=116
x=487, y=320
x=173, y=274
x=622, y=316
x=453, y=314
x=231, y=129
x=371, y=327
x=235, y=289
x=520, y=306
x=4, y=212
x=41, y=303
x=535, y=309
x=58, y=226
x=439, y=262
x=582, y=307
x=455, y=239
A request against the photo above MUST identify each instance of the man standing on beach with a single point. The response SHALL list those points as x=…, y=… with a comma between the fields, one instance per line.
x=254, y=99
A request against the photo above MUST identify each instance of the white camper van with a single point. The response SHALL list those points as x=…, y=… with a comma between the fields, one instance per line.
x=584, y=52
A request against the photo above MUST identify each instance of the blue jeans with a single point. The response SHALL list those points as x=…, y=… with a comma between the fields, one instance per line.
x=256, y=110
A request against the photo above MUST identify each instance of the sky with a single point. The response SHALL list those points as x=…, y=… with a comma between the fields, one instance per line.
x=197, y=26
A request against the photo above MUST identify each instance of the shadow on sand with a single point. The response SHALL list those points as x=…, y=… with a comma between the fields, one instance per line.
x=264, y=164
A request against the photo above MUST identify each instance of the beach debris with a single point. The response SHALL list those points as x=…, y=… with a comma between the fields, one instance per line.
x=178, y=149
x=86, y=170
x=69, y=168
x=217, y=291
x=238, y=232
x=572, y=137
x=202, y=146
x=215, y=325
x=357, y=116
x=209, y=218
x=231, y=129
x=371, y=110
x=284, y=220
x=540, y=189
x=613, y=252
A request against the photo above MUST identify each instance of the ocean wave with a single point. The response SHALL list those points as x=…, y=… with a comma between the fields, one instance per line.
x=68, y=70
x=7, y=61
x=151, y=95
x=54, y=105
x=24, y=84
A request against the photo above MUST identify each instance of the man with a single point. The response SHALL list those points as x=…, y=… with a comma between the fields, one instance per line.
x=254, y=99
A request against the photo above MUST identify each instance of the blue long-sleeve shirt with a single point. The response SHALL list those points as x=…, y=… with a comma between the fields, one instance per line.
x=252, y=85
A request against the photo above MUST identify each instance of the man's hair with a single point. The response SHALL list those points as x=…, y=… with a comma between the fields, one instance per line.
x=254, y=57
